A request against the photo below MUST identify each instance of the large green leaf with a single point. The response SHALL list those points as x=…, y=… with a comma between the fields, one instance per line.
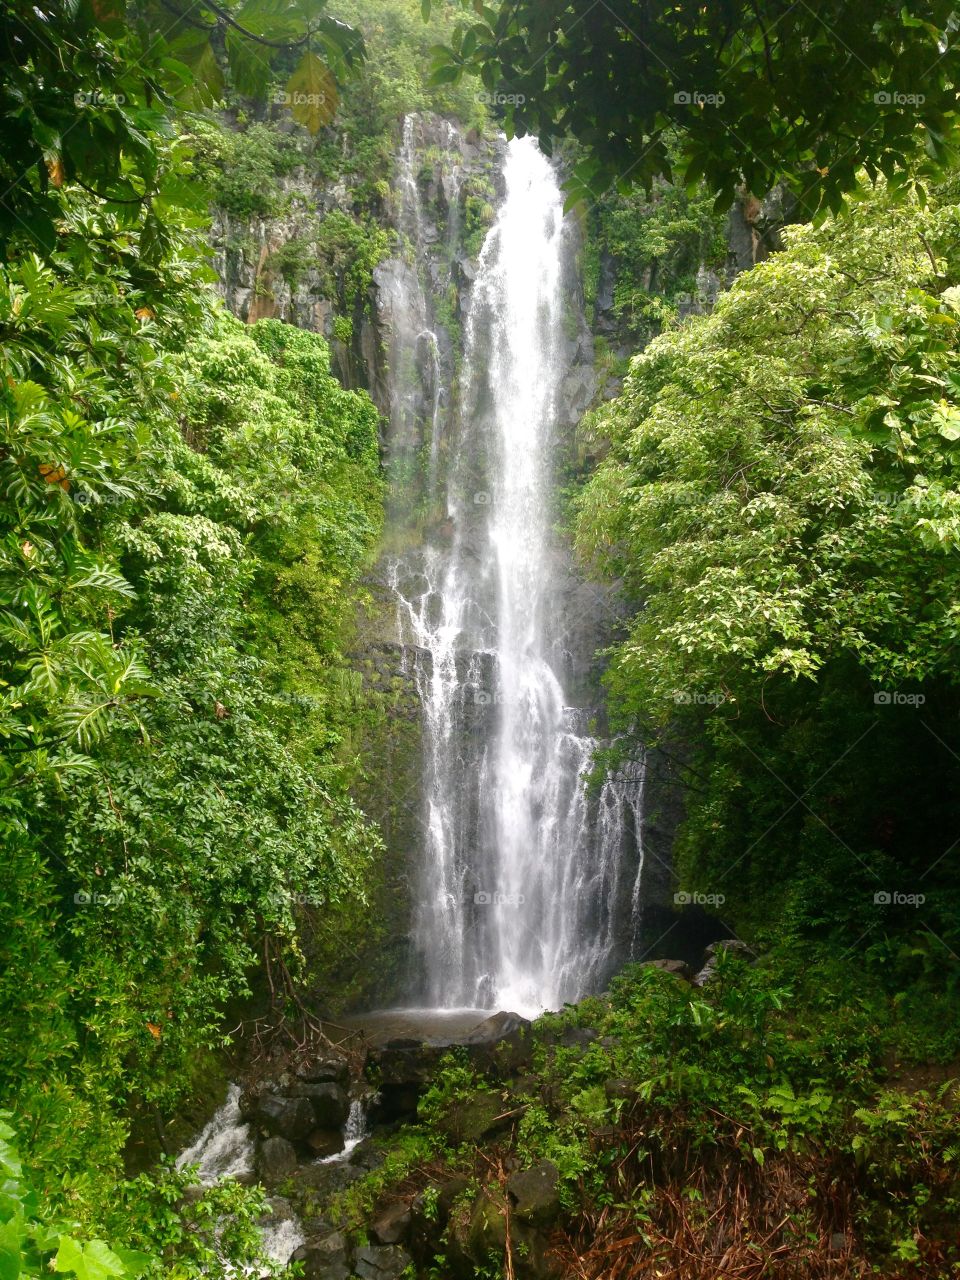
x=312, y=93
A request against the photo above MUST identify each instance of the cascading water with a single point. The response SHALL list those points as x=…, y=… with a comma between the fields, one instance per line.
x=524, y=870
x=418, y=381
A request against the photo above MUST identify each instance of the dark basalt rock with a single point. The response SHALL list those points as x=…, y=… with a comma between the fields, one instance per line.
x=392, y=1226
x=290, y=1118
x=477, y=1117
x=330, y=1102
x=325, y=1259
x=709, y=970
x=276, y=1159
x=381, y=1263
x=325, y=1142
x=325, y=1071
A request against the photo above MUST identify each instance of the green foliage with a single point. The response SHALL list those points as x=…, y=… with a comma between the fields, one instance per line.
x=658, y=246
x=351, y=1208
x=205, y=1235
x=348, y=249
x=780, y=498
x=100, y=87
x=167, y=800
x=810, y=94
x=242, y=168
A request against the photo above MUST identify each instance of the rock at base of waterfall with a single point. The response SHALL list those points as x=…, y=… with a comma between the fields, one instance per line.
x=535, y=1194
x=726, y=945
x=502, y=1042
x=325, y=1259
x=479, y=1116
x=430, y=1211
x=404, y=1067
x=325, y=1142
x=330, y=1102
x=276, y=1159
x=384, y=1263
x=324, y=1071
x=497, y=1027
x=290, y=1118
x=571, y=1038
x=679, y=968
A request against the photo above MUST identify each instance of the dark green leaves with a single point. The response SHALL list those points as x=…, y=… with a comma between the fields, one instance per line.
x=806, y=94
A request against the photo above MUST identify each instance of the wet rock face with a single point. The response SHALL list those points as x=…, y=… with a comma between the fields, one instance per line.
x=386, y=1262
x=276, y=1160
x=328, y=1101
x=297, y=1117
x=405, y=1067
x=288, y=1118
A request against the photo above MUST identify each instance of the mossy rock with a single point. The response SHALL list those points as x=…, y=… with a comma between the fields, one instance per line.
x=473, y=1118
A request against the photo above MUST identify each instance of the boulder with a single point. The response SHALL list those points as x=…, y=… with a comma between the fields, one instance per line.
x=502, y=1042
x=678, y=968
x=276, y=1159
x=330, y=1102
x=326, y=1258
x=324, y=1071
x=497, y=1027
x=391, y=1226
x=387, y=1262
x=290, y=1118
x=535, y=1194
x=325, y=1142
x=406, y=1062
x=709, y=970
x=730, y=944
x=487, y=1232
x=488, y=1228
x=476, y=1117
x=571, y=1038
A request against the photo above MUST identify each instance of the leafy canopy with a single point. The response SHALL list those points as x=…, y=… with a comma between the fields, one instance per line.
x=89, y=90
x=805, y=93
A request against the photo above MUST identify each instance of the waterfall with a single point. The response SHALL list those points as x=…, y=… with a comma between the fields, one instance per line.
x=526, y=881
x=224, y=1147
x=408, y=287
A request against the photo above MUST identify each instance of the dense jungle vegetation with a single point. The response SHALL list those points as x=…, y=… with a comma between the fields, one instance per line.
x=189, y=505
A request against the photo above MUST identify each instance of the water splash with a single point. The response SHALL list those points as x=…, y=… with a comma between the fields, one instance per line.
x=354, y=1132
x=224, y=1148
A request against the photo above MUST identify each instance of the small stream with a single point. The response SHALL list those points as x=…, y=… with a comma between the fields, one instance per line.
x=225, y=1149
